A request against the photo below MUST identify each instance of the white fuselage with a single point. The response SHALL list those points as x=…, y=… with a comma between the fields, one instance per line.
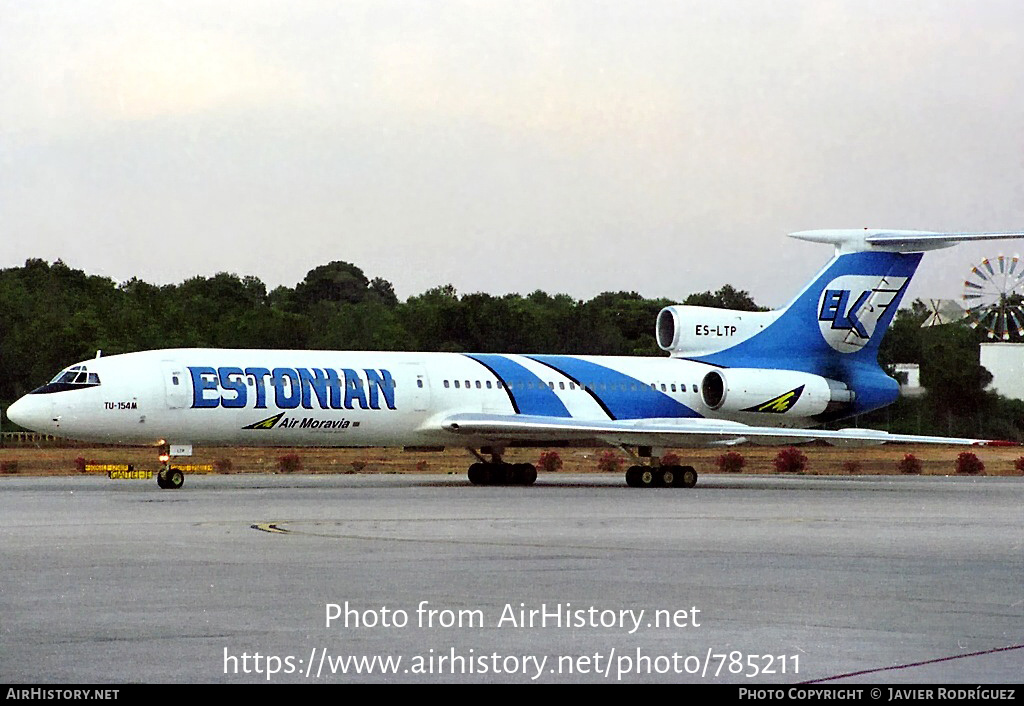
x=357, y=398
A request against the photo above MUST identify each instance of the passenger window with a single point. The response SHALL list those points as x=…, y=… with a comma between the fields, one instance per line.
x=468, y=385
x=174, y=379
x=673, y=387
x=488, y=384
x=419, y=383
x=694, y=388
x=478, y=384
x=446, y=383
x=561, y=386
x=456, y=384
x=663, y=387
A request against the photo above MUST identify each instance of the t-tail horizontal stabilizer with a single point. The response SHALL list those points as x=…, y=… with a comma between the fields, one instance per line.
x=902, y=241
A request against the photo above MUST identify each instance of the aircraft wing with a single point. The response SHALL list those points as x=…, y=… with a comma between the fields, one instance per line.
x=672, y=432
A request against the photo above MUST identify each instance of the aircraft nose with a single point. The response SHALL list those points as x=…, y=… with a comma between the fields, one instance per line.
x=28, y=413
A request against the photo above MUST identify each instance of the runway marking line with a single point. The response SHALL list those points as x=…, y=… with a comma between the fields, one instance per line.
x=269, y=527
x=937, y=660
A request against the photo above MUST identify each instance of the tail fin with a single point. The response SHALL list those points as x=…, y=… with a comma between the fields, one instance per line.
x=837, y=322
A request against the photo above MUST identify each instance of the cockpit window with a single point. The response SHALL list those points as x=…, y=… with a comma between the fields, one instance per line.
x=68, y=375
x=76, y=377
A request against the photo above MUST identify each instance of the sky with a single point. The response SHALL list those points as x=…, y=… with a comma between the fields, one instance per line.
x=575, y=146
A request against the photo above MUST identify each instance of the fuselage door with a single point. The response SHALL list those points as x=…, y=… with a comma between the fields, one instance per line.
x=177, y=387
x=417, y=389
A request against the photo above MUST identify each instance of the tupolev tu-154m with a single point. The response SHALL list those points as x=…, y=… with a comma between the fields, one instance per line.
x=729, y=377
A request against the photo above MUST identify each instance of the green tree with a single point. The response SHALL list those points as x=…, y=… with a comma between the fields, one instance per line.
x=334, y=282
x=727, y=297
x=950, y=370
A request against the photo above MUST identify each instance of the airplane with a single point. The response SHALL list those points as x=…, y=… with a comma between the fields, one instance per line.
x=729, y=377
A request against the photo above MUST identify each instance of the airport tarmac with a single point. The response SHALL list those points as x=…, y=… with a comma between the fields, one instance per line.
x=577, y=579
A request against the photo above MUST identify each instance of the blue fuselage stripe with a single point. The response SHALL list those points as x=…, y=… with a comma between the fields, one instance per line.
x=529, y=394
x=622, y=396
x=501, y=379
x=582, y=386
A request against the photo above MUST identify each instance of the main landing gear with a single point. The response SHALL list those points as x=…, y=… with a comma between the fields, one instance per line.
x=657, y=474
x=497, y=472
x=661, y=477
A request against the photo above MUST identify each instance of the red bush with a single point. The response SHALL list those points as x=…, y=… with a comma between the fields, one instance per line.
x=969, y=464
x=289, y=463
x=731, y=462
x=909, y=464
x=609, y=462
x=851, y=466
x=549, y=462
x=791, y=460
x=1018, y=465
x=671, y=459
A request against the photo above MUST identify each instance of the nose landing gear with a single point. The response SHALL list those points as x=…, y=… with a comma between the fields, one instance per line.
x=170, y=479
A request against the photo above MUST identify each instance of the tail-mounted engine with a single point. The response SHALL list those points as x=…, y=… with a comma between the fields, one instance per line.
x=694, y=330
x=773, y=392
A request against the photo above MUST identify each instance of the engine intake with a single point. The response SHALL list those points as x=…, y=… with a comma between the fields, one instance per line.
x=689, y=330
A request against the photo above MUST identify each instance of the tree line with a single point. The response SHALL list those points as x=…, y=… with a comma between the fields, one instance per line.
x=52, y=315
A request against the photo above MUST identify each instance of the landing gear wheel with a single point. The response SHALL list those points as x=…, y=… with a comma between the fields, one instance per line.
x=667, y=476
x=525, y=474
x=648, y=478
x=688, y=477
x=175, y=479
x=478, y=474
x=170, y=479
x=508, y=474
x=633, y=476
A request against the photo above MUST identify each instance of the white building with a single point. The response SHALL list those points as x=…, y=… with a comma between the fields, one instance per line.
x=909, y=376
x=1006, y=363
